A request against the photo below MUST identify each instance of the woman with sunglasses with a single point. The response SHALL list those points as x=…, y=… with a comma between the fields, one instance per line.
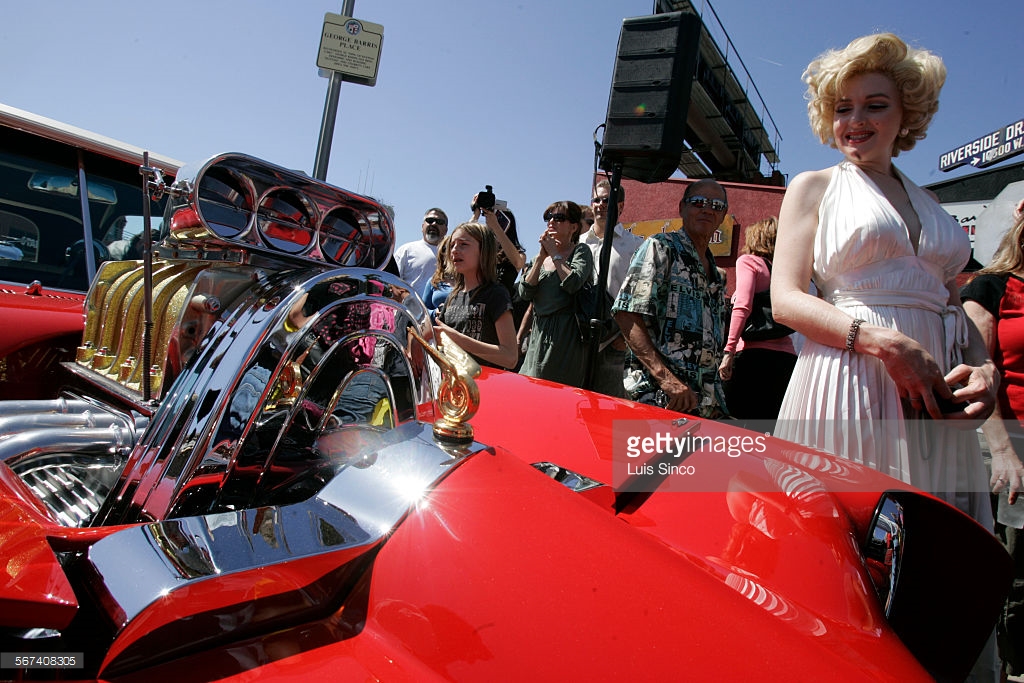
x=555, y=350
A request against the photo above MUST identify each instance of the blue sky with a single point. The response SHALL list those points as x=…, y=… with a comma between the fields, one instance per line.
x=501, y=93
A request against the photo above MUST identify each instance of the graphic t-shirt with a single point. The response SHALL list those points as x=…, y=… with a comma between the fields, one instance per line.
x=475, y=313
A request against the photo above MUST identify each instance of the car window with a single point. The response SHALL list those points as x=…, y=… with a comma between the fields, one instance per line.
x=42, y=221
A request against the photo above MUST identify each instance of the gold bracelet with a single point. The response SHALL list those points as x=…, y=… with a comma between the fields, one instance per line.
x=851, y=336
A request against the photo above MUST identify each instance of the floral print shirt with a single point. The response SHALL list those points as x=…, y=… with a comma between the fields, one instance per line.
x=685, y=314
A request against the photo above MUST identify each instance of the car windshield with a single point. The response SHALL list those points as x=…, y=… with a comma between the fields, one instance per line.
x=42, y=222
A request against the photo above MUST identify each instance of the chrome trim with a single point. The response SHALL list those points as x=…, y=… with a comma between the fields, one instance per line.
x=574, y=481
x=30, y=408
x=219, y=206
x=18, y=447
x=284, y=362
x=69, y=452
x=306, y=556
x=287, y=210
x=73, y=485
x=884, y=549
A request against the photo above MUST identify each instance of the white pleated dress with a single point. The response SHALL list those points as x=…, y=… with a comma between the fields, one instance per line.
x=845, y=403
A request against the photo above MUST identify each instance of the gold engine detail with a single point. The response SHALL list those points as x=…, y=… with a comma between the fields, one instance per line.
x=187, y=296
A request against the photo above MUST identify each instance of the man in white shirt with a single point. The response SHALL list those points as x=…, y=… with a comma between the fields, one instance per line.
x=416, y=261
x=612, y=353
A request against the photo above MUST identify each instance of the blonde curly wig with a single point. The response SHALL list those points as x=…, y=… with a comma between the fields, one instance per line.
x=918, y=74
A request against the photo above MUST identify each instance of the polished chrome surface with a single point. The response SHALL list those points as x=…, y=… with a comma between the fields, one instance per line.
x=181, y=567
x=245, y=209
x=73, y=485
x=188, y=299
x=69, y=452
x=298, y=354
x=884, y=549
x=231, y=223
x=574, y=481
x=265, y=336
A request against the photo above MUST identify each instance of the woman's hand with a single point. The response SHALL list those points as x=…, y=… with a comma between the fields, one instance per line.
x=919, y=380
x=915, y=372
x=440, y=326
x=548, y=243
x=1007, y=474
x=511, y=251
x=725, y=369
x=911, y=367
x=979, y=384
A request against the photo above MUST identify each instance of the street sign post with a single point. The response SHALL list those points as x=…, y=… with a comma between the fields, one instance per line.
x=349, y=51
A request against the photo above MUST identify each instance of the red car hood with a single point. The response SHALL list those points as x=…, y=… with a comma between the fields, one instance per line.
x=504, y=575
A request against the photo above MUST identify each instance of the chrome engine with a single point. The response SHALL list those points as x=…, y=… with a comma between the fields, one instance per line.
x=217, y=375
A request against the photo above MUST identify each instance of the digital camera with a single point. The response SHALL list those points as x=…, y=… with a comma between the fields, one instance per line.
x=485, y=199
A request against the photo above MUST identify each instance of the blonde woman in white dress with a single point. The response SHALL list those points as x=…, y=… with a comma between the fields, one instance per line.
x=887, y=339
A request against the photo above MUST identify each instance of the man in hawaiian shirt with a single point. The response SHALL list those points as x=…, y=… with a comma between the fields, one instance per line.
x=672, y=312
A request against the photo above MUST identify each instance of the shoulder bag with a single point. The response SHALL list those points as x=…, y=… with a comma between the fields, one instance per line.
x=761, y=325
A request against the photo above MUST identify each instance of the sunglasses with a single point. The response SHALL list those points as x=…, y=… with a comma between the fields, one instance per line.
x=431, y=220
x=556, y=217
x=699, y=202
x=599, y=200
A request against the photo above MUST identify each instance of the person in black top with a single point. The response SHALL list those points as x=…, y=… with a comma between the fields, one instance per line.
x=478, y=313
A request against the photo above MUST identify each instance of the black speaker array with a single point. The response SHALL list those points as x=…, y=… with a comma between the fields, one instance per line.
x=646, y=122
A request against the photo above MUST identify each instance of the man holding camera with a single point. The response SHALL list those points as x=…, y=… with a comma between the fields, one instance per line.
x=608, y=372
x=416, y=261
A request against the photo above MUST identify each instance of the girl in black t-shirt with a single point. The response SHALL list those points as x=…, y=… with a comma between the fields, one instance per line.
x=478, y=313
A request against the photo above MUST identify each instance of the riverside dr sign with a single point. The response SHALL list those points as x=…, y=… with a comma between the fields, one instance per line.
x=988, y=149
x=350, y=47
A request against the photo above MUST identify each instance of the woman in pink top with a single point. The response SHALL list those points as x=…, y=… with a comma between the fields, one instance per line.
x=755, y=374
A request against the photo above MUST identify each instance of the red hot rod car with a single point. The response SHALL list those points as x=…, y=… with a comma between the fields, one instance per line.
x=258, y=465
